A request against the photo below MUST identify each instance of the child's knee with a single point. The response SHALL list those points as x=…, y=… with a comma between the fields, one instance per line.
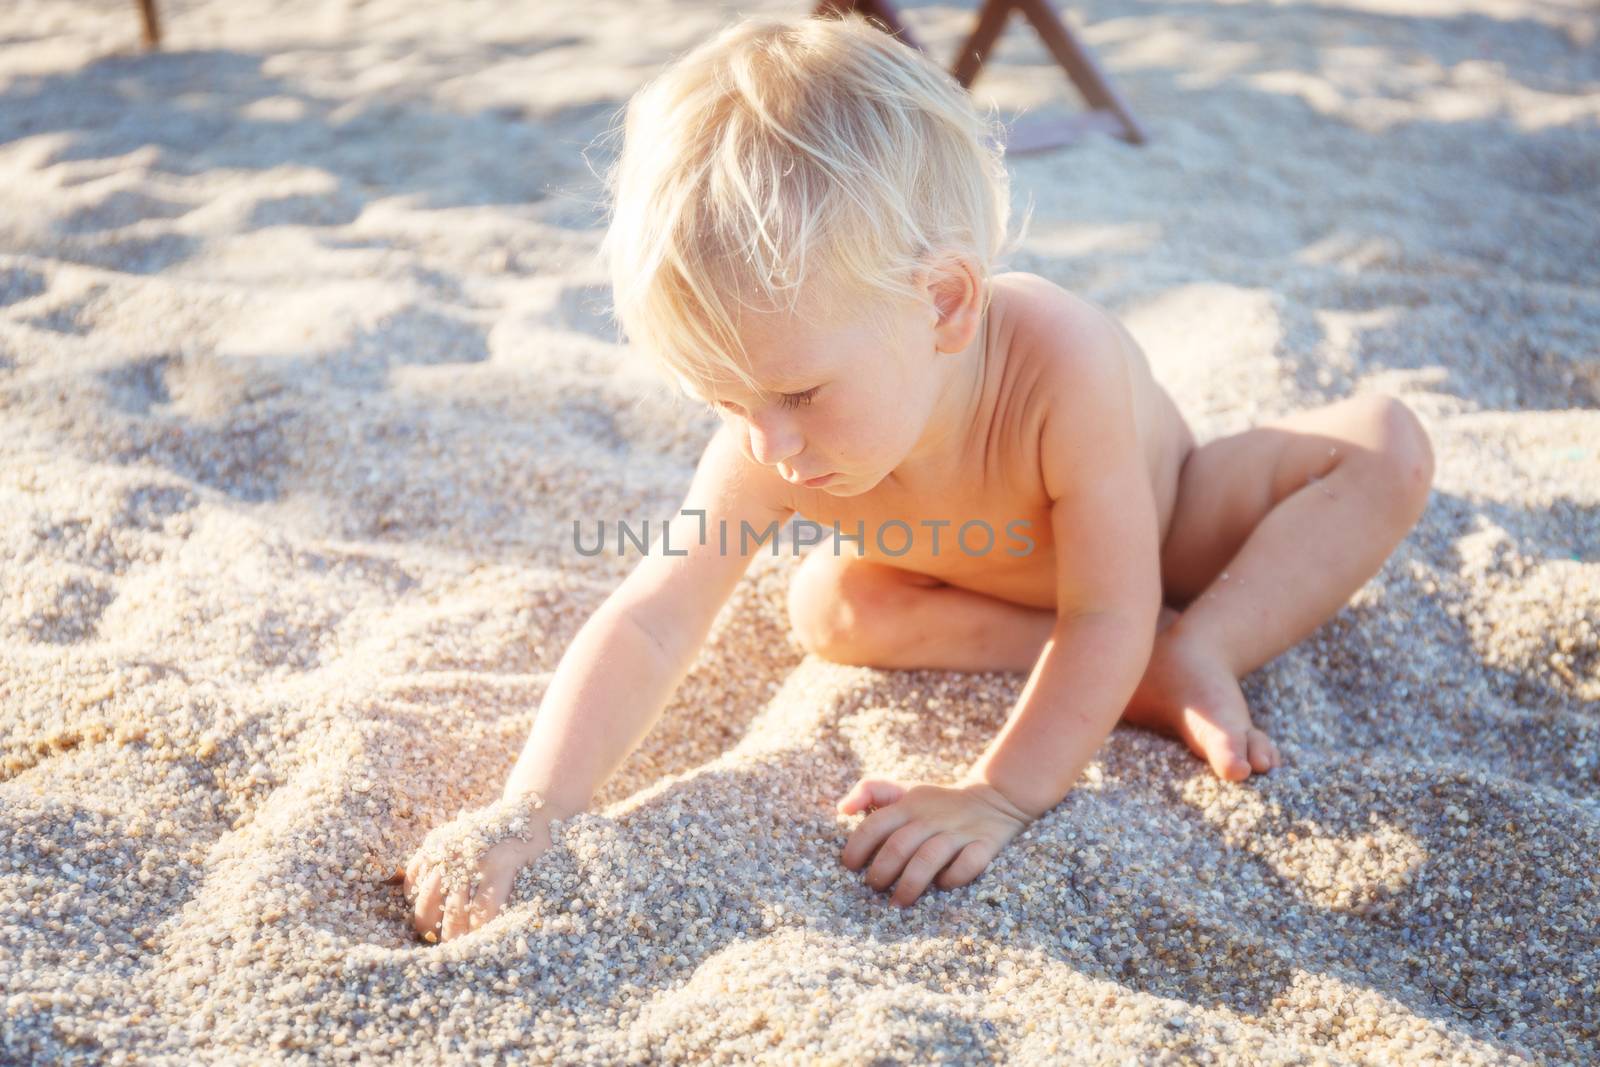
x=818, y=614
x=839, y=607
x=1412, y=449
x=1403, y=456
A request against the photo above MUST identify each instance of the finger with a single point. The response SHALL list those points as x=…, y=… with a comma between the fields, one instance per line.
x=866, y=838
x=928, y=861
x=428, y=910
x=870, y=793
x=455, y=914
x=896, y=853
x=968, y=864
x=485, y=903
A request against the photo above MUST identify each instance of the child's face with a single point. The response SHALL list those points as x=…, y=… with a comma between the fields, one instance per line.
x=835, y=398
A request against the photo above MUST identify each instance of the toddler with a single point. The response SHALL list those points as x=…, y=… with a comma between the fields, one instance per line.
x=805, y=217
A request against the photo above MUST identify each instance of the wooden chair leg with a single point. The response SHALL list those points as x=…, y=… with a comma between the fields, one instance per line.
x=1107, y=110
x=971, y=57
x=150, y=25
x=1080, y=64
x=880, y=13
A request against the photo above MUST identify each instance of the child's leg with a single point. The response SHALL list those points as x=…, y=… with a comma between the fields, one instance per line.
x=1273, y=530
x=1276, y=527
x=855, y=611
x=1271, y=534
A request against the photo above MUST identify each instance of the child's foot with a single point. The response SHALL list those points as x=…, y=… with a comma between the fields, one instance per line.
x=1189, y=692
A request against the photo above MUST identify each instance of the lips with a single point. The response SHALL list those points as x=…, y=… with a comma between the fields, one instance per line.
x=793, y=477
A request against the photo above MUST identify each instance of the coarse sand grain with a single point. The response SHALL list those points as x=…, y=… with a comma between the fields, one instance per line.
x=306, y=373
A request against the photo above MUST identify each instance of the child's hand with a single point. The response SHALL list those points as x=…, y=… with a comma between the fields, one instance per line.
x=462, y=873
x=922, y=828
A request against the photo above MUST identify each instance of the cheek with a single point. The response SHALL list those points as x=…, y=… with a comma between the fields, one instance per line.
x=861, y=430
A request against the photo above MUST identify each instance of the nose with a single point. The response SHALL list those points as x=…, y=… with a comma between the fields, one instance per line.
x=772, y=440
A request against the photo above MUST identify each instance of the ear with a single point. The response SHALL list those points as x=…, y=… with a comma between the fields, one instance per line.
x=955, y=300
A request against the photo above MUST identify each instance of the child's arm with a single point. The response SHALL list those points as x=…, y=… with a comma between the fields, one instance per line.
x=1108, y=598
x=1106, y=528
x=613, y=681
x=623, y=666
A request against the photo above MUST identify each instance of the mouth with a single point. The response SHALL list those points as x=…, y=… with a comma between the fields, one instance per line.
x=790, y=476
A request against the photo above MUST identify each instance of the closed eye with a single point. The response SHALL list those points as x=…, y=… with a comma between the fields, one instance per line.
x=794, y=400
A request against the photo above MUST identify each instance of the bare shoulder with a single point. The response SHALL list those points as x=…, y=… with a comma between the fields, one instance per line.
x=1081, y=358
x=1061, y=329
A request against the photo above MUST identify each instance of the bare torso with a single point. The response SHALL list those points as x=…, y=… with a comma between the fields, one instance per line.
x=998, y=477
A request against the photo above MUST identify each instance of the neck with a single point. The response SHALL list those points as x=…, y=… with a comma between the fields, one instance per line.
x=945, y=438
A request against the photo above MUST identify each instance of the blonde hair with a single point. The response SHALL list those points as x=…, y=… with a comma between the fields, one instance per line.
x=818, y=154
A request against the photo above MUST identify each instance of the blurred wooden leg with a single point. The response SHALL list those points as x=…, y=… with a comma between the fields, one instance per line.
x=1080, y=64
x=969, y=60
x=151, y=35
x=880, y=13
x=1107, y=112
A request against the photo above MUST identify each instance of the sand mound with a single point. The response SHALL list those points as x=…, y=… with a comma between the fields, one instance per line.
x=305, y=373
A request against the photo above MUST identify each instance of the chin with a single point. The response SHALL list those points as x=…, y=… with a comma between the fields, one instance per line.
x=849, y=485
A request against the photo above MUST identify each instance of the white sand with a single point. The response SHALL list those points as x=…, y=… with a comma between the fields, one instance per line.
x=304, y=373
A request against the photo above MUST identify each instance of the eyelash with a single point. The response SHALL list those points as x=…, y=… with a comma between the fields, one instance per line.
x=794, y=400
x=787, y=400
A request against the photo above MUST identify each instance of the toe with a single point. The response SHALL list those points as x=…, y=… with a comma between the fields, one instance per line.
x=1261, y=749
x=1231, y=766
x=1226, y=750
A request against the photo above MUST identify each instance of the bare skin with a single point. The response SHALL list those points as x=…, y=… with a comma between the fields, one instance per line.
x=1264, y=535
x=1040, y=410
